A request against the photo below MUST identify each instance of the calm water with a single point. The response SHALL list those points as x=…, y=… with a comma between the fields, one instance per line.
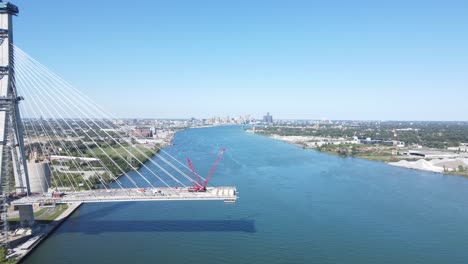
x=295, y=206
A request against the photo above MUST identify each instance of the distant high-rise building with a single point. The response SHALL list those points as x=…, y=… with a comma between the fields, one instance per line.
x=268, y=118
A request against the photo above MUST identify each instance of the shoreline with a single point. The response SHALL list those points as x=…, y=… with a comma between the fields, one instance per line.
x=171, y=139
x=401, y=163
x=49, y=230
x=155, y=152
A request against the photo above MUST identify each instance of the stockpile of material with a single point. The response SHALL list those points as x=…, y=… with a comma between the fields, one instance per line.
x=435, y=165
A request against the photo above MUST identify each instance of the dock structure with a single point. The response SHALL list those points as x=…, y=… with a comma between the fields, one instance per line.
x=226, y=194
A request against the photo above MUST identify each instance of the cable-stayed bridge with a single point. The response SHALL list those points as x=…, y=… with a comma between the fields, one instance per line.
x=58, y=146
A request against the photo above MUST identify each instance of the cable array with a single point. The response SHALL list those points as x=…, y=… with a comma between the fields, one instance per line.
x=59, y=121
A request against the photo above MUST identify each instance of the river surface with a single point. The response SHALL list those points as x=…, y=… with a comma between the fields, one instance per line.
x=295, y=206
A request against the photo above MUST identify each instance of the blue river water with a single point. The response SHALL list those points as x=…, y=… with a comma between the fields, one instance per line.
x=295, y=206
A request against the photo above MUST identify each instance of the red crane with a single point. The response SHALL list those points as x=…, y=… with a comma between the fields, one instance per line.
x=198, y=183
x=198, y=186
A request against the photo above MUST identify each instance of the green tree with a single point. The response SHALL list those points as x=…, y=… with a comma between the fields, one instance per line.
x=3, y=254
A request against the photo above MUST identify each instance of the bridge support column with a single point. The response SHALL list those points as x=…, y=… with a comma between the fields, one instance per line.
x=26, y=215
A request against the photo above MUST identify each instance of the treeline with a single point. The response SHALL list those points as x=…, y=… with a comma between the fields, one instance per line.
x=429, y=134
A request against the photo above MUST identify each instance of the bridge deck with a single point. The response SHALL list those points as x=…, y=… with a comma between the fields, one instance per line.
x=227, y=194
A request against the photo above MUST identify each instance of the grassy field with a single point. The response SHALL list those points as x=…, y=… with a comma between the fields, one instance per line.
x=59, y=209
x=36, y=214
x=117, y=159
x=126, y=152
x=39, y=215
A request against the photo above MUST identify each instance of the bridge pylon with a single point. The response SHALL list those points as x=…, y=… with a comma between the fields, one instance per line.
x=13, y=163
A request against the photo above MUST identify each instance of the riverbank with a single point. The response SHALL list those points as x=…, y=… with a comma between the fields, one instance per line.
x=292, y=200
x=155, y=149
x=40, y=231
x=45, y=224
x=118, y=159
x=387, y=155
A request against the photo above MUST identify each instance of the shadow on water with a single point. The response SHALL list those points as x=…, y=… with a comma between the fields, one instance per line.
x=105, y=210
x=119, y=226
x=89, y=223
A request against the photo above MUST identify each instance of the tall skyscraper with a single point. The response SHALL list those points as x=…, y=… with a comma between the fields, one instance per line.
x=268, y=118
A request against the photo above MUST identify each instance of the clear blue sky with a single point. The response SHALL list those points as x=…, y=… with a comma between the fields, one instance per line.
x=399, y=59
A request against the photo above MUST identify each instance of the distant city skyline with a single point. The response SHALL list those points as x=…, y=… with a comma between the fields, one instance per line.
x=336, y=60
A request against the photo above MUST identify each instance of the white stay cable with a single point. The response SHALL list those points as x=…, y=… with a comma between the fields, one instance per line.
x=45, y=92
x=52, y=127
x=80, y=109
x=33, y=99
x=94, y=106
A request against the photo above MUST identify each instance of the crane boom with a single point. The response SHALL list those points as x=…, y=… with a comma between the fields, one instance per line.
x=213, y=168
x=194, y=173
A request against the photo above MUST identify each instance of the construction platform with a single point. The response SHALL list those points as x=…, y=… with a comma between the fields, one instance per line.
x=226, y=194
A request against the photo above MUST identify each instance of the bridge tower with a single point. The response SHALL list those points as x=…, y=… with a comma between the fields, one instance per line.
x=11, y=127
x=13, y=163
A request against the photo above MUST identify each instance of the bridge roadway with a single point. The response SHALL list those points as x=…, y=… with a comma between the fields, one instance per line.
x=227, y=194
